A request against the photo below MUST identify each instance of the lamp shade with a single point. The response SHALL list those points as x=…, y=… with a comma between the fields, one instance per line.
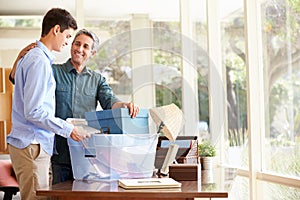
x=171, y=117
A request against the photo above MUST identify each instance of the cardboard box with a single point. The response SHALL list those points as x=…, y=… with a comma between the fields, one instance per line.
x=118, y=121
x=185, y=172
x=114, y=156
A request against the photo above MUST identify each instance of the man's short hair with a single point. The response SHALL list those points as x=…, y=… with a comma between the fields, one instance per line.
x=58, y=16
x=91, y=35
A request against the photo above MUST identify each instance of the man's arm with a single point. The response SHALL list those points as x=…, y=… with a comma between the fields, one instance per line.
x=20, y=55
x=133, y=109
x=108, y=100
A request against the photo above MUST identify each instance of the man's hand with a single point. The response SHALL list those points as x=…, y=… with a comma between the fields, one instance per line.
x=20, y=55
x=133, y=109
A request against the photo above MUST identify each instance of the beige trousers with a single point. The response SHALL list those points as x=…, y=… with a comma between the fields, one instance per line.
x=31, y=166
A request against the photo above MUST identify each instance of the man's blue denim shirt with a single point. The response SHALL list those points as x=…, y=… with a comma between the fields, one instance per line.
x=79, y=93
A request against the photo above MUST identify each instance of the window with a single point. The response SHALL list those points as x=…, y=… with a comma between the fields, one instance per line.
x=21, y=21
x=233, y=59
x=280, y=36
x=113, y=59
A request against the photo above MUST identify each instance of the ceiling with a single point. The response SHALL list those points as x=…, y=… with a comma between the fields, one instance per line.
x=103, y=9
x=94, y=8
x=157, y=9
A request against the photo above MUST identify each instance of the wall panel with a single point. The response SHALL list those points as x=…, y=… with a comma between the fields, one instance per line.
x=6, y=91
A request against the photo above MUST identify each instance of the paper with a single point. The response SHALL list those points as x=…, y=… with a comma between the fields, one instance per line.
x=82, y=127
x=148, y=183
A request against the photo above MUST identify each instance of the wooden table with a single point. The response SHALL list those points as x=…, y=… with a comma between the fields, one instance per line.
x=109, y=190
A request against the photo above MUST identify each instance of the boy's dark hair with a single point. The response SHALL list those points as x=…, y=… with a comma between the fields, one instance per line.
x=58, y=16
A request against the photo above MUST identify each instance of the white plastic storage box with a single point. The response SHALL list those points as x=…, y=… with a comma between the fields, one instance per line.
x=118, y=121
x=104, y=156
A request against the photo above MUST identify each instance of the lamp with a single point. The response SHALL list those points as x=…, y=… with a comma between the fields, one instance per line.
x=169, y=119
x=170, y=122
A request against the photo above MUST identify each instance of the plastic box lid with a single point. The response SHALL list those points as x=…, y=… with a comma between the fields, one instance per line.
x=118, y=121
x=114, y=113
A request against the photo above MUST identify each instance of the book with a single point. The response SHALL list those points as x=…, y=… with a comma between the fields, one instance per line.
x=148, y=183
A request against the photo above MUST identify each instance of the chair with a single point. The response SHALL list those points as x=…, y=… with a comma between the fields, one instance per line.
x=8, y=181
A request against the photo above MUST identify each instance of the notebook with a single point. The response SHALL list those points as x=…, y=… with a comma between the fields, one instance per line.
x=148, y=183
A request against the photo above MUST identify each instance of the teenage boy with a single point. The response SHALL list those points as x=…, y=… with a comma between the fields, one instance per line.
x=31, y=140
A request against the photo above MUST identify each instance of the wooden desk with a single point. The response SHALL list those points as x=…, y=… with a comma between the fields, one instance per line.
x=109, y=190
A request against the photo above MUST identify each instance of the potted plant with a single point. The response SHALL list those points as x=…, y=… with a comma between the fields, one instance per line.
x=206, y=151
